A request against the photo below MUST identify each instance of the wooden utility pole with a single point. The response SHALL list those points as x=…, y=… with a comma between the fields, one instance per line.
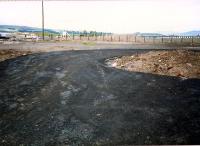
x=42, y=20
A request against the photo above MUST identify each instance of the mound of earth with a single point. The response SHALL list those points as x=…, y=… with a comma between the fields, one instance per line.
x=181, y=63
x=10, y=53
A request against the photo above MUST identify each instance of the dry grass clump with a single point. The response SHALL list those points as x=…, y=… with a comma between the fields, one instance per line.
x=10, y=53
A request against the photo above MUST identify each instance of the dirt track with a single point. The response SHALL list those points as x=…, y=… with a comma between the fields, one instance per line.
x=70, y=45
x=73, y=97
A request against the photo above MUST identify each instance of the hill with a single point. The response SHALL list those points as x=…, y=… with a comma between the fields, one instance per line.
x=16, y=28
x=190, y=33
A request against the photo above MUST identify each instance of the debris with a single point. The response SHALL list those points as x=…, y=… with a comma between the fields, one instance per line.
x=98, y=115
x=189, y=64
x=179, y=63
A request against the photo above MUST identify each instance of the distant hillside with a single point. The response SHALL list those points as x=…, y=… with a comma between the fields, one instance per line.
x=191, y=33
x=15, y=28
x=148, y=34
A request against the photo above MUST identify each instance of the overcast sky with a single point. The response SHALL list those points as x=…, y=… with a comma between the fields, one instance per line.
x=110, y=16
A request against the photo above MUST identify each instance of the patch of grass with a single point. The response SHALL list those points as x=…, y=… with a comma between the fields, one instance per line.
x=45, y=34
x=88, y=43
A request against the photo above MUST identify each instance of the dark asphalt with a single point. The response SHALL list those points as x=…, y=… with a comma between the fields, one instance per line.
x=73, y=98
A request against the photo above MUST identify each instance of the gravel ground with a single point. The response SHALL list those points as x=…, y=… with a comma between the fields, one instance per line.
x=74, y=98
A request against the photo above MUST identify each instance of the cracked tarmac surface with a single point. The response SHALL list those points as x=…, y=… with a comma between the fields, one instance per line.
x=73, y=98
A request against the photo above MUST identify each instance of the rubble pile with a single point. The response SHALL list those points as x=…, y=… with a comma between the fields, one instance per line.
x=10, y=53
x=180, y=63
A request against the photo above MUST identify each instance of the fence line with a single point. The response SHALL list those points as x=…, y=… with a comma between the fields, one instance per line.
x=130, y=38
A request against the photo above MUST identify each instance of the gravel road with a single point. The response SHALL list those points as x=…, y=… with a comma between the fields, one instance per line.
x=73, y=98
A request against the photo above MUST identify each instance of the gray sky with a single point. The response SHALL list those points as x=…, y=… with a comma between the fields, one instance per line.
x=111, y=16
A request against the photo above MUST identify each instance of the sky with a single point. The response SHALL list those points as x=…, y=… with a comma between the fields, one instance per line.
x=108, y=16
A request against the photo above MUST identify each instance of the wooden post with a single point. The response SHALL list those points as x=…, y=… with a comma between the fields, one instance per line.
x=144, y=39
x=42, y=20
x=103, y=37
x=111, y=38
x=192, y=39
x=153, y=39
x=162, y=40
x=135, y=39
x=181, y=39
x=198, y=38
x=171, y=40
x=73, y=36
